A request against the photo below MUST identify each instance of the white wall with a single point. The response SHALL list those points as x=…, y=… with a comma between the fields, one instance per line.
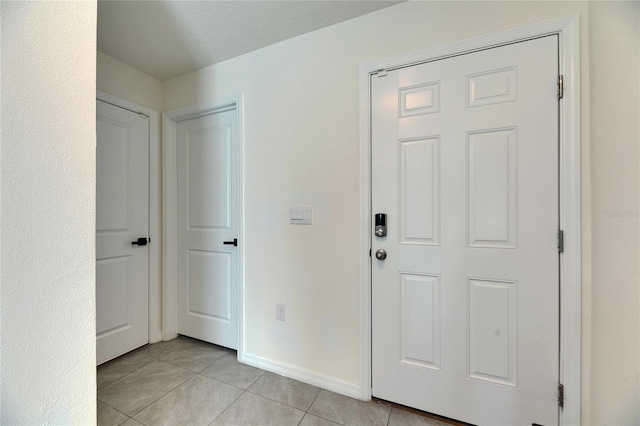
x=125, y=82
x=301, y=146
x=48, y=204
x=614, y=43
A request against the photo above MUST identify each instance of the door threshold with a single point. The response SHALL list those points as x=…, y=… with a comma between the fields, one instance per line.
x=419, y=412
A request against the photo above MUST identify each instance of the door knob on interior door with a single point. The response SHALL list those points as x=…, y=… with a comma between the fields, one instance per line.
x=140, y=242
x=231, y=243
x=381, y=254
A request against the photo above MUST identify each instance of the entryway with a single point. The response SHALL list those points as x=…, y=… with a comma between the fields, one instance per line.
x=466, y=316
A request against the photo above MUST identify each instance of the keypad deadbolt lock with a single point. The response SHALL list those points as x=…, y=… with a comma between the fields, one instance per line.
x=381, y=225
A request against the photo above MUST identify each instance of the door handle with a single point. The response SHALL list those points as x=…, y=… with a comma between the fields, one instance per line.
x=231, y=243
x=140, y=242
x=381, y=254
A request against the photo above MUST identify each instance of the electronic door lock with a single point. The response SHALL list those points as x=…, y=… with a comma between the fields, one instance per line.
x=381, y=225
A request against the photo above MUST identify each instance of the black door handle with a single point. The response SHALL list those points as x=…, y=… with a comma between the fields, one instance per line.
x=231, y=243
x=140, y=242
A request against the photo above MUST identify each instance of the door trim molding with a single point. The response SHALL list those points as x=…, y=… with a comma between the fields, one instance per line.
x=155, y=334
x=170, y=120
x=568, y=30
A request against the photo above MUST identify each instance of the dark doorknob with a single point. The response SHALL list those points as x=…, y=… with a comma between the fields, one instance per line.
x=231, y=243
x=140, y=242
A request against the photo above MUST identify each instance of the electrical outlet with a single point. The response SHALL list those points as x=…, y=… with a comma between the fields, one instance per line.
x=280, y=311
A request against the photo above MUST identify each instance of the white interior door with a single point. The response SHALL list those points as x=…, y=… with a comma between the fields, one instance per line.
x=465, y=309
x=208, y=224
x=122, y=216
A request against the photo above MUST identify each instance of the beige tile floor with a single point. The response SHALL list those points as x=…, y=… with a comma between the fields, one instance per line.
x=188, y=382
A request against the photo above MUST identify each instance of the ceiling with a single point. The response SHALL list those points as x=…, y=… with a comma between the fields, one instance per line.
x=168, y=38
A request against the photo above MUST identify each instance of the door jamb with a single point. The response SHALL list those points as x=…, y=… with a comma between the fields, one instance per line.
x=170, y=120
x=568, y=31
x=154, y=209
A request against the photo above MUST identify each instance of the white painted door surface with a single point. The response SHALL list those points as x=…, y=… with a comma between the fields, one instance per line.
x=465, y=307
x=122, y=216
x=208, y=217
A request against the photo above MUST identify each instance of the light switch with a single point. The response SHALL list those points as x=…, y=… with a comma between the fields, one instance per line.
x=300, y=215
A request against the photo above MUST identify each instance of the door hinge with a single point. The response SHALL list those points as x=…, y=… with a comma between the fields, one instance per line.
x=561, y=395
x=381, y=72
x=560, y=87
x=560, y=241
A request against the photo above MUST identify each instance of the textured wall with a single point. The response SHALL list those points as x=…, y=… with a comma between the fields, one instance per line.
x=48, y=210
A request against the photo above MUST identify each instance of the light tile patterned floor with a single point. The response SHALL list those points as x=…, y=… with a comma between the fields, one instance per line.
x=188, y=382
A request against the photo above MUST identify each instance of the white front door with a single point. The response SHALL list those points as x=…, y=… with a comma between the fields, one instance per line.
x=122, y=217
x=208, y=226
x=465, y=308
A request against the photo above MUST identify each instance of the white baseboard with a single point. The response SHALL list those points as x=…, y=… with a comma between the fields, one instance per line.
x=302, y=374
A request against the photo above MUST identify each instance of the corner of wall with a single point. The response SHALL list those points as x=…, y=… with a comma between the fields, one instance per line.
x=121, y=80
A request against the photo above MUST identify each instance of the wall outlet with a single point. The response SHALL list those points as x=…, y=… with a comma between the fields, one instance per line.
x=280, y=312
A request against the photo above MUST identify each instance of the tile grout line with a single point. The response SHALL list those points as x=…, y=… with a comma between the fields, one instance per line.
x=306, y=411
x=133, y=371
x=163, y=395
x=228, y=406
x=160, y=359
x=126, y=374
x=276, y=401
x=196, y=372
x=155, y=359
x=130, y=373
x=115, y=409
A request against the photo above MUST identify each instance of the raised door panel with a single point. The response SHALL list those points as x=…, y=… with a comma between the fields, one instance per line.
x=112, y=176
x=420, y=191
x=209, y=283
x=209, y=180
x=492, y=87
x=114, y=292
x=420, y=320
x=493, y=331
x=492, y=188
x=419, y=99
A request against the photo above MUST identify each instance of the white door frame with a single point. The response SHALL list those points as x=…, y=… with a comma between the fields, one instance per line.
x=170, y=121
x=568, y=30
x=155, y=334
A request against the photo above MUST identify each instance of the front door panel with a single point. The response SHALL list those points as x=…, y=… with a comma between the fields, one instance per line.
x=465, y=165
